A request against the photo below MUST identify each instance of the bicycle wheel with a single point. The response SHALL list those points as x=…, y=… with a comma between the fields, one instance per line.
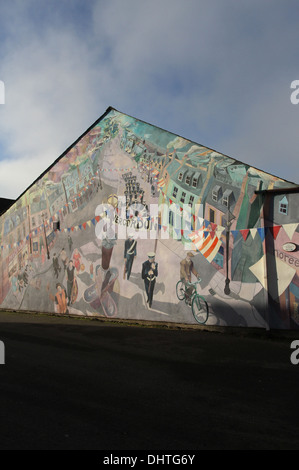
x=200, y=309
x=180, y=291
x=108, y=305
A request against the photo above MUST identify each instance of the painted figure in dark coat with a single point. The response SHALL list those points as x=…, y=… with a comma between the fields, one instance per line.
x=149, y=275
x=129, y=254
x=70, y=280
x=56, y=266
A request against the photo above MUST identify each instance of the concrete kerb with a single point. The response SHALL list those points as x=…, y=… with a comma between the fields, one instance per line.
x=258, y=333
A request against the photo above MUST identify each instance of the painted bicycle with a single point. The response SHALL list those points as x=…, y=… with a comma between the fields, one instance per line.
x=188, y=291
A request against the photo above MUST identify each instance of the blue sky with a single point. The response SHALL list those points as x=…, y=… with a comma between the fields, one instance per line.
x=217, y=72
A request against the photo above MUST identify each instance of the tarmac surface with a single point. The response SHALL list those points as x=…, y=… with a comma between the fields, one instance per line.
x=71, y=383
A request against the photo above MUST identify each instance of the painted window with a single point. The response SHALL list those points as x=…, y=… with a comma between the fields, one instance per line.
x=216, y=193
x=188, y=179
x=227, y=196
x=175, y=192
x=194, y=182
x=180, y=177
x=283, y=206
x=183, y=197
x=170, y=217
x=191, y=200
x=212, y=216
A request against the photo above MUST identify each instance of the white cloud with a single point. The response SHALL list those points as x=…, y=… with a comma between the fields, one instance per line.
x=50, y=100
x=214, y=72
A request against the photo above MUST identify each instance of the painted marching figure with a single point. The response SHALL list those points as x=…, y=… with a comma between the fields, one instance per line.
x=56, y=266
x=70, y=280
x=149, y=275
x=129, y=255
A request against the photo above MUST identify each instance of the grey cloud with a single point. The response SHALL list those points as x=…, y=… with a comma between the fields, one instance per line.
x=215, y=72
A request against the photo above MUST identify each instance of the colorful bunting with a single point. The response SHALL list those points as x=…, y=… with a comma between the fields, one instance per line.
x=206, y=245
x=274, y=230
x=244, y=233
x=261, y=232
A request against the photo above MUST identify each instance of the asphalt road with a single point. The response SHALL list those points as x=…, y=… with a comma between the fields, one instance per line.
x=82, y=384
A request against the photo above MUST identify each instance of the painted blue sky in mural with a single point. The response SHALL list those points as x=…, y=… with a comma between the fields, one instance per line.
x=217, y=73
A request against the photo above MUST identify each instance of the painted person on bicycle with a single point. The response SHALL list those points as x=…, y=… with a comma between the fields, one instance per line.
x=186, y=269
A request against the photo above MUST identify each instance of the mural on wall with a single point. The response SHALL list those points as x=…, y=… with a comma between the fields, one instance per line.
x=179, y=211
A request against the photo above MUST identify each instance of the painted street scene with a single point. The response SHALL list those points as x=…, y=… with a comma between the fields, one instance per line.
x=135, y=222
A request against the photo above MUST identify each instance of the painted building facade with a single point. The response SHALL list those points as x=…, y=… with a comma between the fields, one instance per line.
x=76, y=241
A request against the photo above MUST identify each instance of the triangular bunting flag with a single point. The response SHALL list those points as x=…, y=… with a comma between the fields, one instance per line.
x=261, y=232
x=245, y=233
x=290, y=229
x=219, y=231
x=84, y=225
x=234, y=233
x=274, y=230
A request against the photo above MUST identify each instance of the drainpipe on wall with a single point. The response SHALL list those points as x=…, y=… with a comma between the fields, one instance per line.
x=267, y=312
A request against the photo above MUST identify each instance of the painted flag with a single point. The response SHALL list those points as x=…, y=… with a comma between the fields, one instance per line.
x=161, y=182
x=290, y=229
x=244, y=233
x=274, y=229
x=207, y=245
